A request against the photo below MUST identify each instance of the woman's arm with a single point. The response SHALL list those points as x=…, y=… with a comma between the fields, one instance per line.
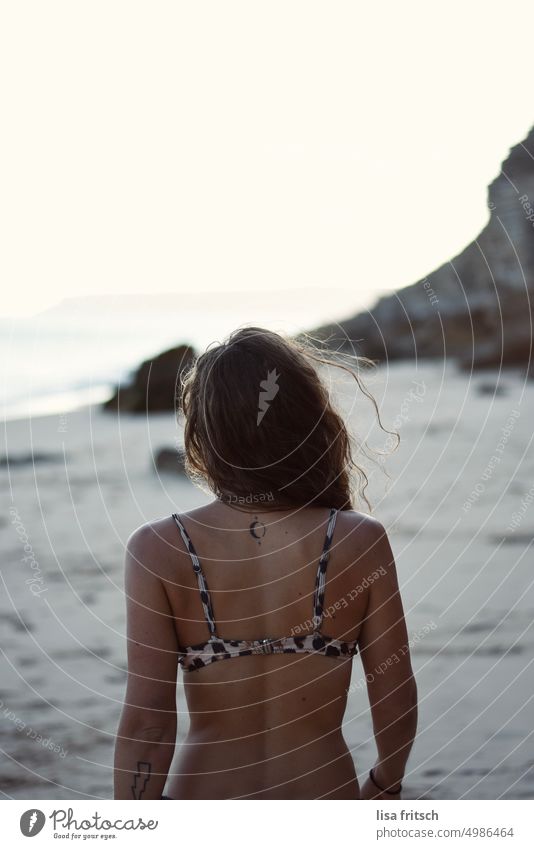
x=386, y=660
x=147, y=730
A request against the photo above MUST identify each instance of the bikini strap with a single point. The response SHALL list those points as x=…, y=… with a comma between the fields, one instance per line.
x=320, y=581
x=202, y=583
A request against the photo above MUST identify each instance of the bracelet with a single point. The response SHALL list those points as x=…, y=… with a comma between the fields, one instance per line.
x=389, y=792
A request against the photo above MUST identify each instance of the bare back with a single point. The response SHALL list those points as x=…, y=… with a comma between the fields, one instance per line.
x=266, y=726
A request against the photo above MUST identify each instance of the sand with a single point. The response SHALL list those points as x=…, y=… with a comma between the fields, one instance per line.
x=459, y=508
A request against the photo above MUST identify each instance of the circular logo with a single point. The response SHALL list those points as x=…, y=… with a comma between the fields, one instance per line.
x=31, y=822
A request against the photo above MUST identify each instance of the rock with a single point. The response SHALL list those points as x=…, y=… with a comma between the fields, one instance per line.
x=170, y=460
x=493, y=389
x=155, y=386
x=30, y=459
x=477, y=308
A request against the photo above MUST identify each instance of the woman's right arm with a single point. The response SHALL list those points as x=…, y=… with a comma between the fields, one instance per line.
x=385, y=654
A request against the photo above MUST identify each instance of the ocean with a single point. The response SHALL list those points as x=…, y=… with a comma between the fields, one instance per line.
x=74, y=354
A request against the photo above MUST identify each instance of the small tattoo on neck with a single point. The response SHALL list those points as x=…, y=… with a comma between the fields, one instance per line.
x=257, y=529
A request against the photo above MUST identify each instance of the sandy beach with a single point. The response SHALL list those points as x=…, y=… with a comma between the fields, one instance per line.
x=459, y=508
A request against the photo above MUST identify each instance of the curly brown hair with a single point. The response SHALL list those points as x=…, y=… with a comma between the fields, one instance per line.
x=259, y=422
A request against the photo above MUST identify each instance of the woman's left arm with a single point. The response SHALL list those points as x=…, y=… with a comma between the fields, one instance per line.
x=146, y=735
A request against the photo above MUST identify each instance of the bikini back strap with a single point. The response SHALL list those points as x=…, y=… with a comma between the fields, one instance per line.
x=320, y=581
x=201, y=580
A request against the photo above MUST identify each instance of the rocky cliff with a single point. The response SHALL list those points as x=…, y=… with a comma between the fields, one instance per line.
x=477, y=307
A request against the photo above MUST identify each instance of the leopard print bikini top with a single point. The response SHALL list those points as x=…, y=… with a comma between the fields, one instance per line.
x=217, y=648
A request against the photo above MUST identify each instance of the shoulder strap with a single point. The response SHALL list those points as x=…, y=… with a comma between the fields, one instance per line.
x=320, y=581
x=202, y=583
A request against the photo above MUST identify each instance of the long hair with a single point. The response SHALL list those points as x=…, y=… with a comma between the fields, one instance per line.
x=260, y=425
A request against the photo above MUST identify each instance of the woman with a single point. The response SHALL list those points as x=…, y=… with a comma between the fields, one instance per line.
x=263, y=596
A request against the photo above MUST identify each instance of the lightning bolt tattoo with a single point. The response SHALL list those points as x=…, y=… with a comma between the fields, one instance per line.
x=141, y=779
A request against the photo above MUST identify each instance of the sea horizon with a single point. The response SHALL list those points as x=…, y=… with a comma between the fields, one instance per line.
x=74, y=354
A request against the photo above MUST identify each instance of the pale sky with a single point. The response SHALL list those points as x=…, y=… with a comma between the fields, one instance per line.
x=182, y=146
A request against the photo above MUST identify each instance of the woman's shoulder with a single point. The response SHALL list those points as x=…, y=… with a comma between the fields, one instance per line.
x=362, y=542
x=148, y=533
x=157, y=543
x=365, y=524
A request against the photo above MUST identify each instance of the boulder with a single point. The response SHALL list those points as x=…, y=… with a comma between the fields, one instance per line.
x=155, y=386
x=170, y=460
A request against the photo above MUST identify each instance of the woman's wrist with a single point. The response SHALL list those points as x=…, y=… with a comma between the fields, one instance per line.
x=383, y=782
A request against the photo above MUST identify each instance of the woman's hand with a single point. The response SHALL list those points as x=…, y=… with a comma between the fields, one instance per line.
x=369, y=790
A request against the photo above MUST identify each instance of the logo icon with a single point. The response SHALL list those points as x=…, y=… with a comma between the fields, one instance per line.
x=31, y=822
x=270, y=389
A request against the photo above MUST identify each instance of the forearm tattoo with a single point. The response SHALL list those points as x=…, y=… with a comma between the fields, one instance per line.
x=141, y=779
